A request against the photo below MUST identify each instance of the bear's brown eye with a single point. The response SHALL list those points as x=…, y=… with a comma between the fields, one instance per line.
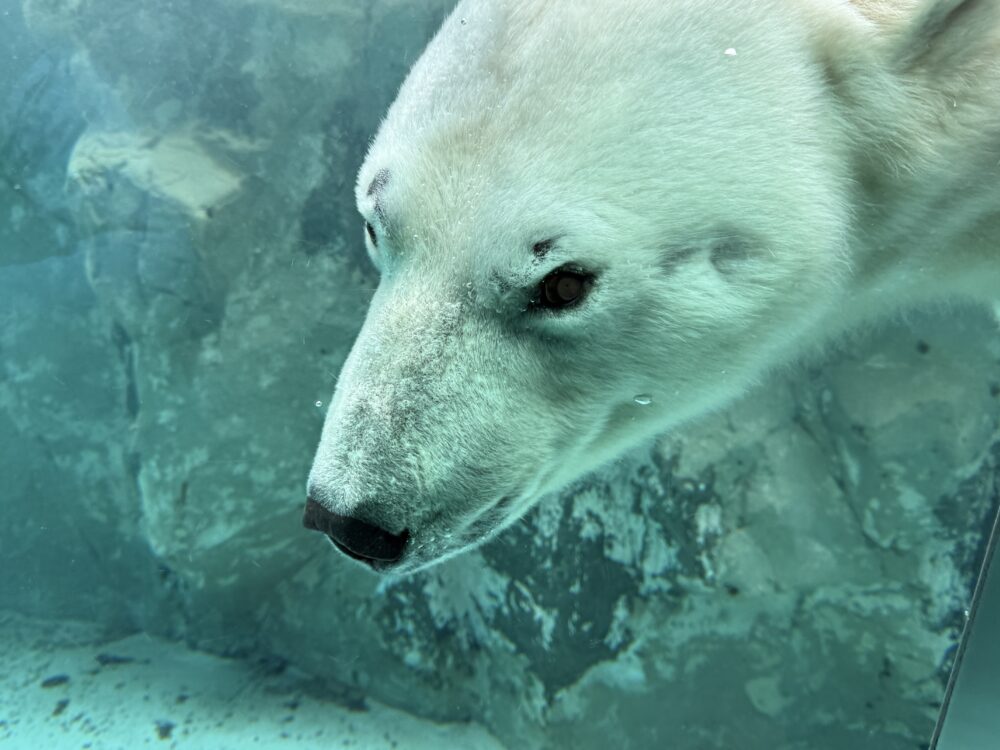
x=371, y=233
x=563, y=288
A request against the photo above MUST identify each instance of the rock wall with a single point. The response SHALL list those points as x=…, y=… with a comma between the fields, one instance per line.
x=181, y=275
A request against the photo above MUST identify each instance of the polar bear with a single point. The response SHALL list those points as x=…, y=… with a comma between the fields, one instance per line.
x=594, y=220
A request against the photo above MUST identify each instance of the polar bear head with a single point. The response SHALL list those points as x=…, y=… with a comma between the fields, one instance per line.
x=592, y=221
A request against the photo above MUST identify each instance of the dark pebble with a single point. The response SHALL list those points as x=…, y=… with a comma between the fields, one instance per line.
x=107, y=659
x=163, y=729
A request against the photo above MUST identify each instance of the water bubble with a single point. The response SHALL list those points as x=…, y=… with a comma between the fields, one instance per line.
x=643, y=399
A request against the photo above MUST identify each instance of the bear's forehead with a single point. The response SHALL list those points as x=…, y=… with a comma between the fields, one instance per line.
x=495, y=144
x=469, y=116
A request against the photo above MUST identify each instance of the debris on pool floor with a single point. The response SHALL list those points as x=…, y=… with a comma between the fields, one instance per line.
x=146, y=692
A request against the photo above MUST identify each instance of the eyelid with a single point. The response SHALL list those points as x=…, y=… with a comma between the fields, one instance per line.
x=567, y=266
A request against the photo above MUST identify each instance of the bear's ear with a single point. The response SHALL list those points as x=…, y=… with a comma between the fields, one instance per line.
x=914, y=78
x=944, y=36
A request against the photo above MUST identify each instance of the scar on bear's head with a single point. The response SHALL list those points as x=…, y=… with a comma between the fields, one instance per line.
x=378, y=182
x=375, y=189
x=728, y=252
x=541, y=249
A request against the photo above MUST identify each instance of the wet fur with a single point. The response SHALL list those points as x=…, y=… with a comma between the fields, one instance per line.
x=736, y=210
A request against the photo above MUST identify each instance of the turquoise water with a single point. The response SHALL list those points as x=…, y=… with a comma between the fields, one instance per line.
x=182, y=275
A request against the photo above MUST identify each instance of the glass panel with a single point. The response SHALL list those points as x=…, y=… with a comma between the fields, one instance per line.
x=184, y=272
x=969, y=719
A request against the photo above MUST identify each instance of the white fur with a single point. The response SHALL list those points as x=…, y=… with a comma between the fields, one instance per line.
x=851, y=151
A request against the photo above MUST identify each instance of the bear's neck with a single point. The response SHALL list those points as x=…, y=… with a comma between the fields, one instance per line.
x=928, y=237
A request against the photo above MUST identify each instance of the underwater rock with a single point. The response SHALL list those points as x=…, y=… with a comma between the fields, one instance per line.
x=789, y=572
x=40, y=119
x=175, y=168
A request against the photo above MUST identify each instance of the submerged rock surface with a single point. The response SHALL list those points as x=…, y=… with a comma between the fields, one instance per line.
x=182, y=276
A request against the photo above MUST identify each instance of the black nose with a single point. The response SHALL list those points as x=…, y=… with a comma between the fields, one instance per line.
x=355, y=538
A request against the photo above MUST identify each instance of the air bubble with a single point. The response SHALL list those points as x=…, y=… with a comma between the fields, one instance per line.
x=643, y=399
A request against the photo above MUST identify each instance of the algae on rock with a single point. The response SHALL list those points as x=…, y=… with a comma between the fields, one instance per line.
x=182, y=277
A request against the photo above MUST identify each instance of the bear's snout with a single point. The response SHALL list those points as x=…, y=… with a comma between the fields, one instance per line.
x=358, y=539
